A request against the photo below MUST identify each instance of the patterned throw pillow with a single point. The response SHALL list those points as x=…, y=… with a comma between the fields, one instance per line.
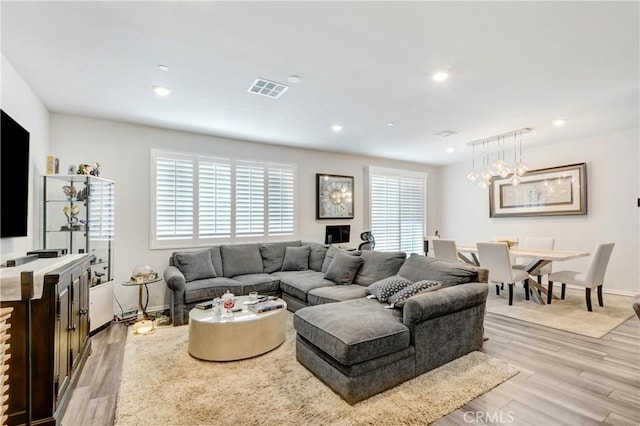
x=382, y=289
x=397, y=300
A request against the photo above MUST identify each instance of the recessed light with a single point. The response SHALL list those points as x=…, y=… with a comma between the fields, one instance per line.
x=440, y=76
x=336, y=128
x=161, y=90
x=390, y=124
x=450, y=150
x=559, y=123
x=294, y=79
x=163, y=67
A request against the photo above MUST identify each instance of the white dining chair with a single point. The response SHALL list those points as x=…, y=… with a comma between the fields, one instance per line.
x=536, y=243
x=495, y=258
x=594, y=277
x=445, y=250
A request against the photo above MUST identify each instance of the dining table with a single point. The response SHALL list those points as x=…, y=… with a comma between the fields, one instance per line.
x=537, y=259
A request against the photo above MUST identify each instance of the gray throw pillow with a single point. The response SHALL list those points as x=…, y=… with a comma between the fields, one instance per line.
x=296, y=258
x=343, y=268
x=397, y=300
x=382, y=289
x=195, y=265
x=331, y=252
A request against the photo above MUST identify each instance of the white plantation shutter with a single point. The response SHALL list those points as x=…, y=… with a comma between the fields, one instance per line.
x=385, y=212
x=280, y=199
x=397, y=209
x=215, y=198
x=101, y=210
x=198, y=200
x=250, y=199
x=174, y=198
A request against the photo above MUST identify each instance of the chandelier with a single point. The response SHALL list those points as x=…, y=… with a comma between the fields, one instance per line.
x=494, y=161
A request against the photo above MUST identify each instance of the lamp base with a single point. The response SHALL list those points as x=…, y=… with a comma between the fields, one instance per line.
x=143, y=327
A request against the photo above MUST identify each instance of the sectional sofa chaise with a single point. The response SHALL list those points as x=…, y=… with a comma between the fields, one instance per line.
x=357, y=345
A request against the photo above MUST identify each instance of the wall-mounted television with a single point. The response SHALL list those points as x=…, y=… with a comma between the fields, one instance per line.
x=14, y=177
x=337, y=234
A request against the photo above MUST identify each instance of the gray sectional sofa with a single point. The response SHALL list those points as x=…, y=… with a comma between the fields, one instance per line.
x=356, y=345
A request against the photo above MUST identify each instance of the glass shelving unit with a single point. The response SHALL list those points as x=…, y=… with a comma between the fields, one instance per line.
x=79, y=216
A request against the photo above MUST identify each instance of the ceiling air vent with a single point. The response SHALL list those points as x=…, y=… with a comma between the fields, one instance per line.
x=446, y=133
x=267, y=88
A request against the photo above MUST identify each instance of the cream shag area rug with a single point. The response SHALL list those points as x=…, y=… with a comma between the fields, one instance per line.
x=163, y=385
x=569, y=314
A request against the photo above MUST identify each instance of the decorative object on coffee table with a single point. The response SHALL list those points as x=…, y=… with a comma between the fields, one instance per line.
x=334, y=196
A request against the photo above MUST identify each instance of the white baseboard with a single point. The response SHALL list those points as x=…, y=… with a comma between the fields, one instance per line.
x=605, y=290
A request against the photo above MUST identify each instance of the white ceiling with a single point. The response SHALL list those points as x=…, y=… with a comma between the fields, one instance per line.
x=363, y=64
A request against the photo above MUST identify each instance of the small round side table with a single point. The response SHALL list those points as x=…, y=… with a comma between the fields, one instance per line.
x=144, y=325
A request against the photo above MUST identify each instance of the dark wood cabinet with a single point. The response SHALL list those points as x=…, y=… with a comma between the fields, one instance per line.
x=54, y=330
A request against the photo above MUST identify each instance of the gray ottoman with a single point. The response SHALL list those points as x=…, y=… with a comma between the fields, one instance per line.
x=347, y=344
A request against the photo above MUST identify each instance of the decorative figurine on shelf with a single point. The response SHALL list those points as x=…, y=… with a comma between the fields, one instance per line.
x=228, y=302
x=89, y=169
x=82, y=195
x=70, y=192
x=71, y=212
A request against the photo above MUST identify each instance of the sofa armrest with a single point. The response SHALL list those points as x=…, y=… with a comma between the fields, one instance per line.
x=445, y=301
x=174, y=278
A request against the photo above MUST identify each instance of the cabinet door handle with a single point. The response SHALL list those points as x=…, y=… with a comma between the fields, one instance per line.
x=72, y=328
x=84, y=311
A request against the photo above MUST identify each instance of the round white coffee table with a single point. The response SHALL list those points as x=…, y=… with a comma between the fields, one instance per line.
x=244, y=335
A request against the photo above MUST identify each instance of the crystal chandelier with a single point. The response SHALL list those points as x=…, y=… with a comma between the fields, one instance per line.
x=499, y=167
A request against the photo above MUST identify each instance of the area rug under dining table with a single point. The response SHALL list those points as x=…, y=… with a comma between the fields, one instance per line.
x=163, y=385
x=569, y=314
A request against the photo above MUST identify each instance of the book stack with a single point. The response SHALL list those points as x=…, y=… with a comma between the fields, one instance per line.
x=267, y=305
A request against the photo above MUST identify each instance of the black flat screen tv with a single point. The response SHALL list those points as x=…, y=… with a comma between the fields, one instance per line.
x=14, y=177
x=337, y=234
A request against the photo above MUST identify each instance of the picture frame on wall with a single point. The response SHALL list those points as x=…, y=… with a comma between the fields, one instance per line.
x=553, y=191
x=334, y=196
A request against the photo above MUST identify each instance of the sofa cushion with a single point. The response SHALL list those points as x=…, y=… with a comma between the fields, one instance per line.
x=378, y=265
x=296, y=258
x=382, y=289
x=216, y=258
x=241, y=259
x=353, y=331
x=262, y=283
x=417, y=268
x=298, y=283
x=316, y=255
x=397, y=300
x=335, y=293
x=200, y=290
x=195, y=265
x=273, y=255
x=331, y=252
x=343, y=268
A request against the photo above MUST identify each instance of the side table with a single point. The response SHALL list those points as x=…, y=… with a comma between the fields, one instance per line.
x=144, y=325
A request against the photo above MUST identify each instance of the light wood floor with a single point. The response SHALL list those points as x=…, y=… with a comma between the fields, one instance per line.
x=564, y=379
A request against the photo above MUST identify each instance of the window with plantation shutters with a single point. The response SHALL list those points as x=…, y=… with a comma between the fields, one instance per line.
x=280, y=199
x=199, y=200
x=250, y=199
x=214, y=209
x=174, y=198
x=397, y=209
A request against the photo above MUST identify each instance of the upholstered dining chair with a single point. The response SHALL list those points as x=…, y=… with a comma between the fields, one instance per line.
x=535, y=243
x=445, y=250
x=495, y=258
x=593, y=278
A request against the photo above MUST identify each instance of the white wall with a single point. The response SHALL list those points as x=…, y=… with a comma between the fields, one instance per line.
x=19, y=101
x=123, y=150
x=613, y=188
